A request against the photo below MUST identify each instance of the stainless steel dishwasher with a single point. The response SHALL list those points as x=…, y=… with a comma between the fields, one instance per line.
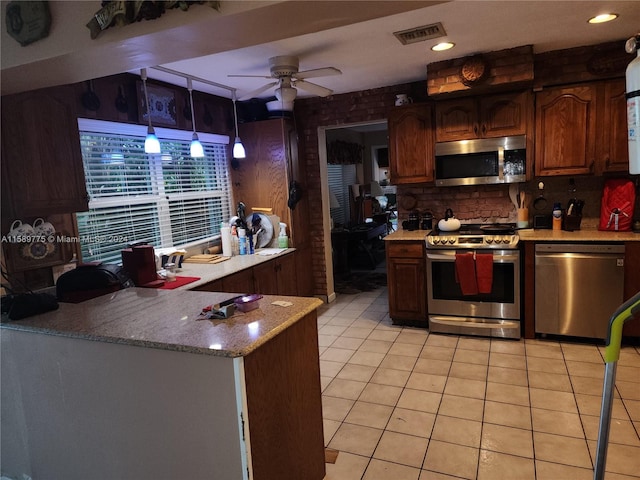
x=578, y=287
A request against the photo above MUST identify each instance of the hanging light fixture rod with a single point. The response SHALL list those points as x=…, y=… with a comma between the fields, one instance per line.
x=193, y=77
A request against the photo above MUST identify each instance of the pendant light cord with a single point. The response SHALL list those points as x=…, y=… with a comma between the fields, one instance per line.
x=235, y=113
x=143, y=74
x=193, y=115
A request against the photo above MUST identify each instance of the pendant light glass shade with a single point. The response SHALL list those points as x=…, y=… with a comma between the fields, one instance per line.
x=238, y=148
x=151, y=143
x=196, y=151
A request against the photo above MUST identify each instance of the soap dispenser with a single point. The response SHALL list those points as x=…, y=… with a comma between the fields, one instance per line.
x=283, y=240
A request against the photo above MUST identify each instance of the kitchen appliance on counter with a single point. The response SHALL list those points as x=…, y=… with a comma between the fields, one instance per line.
x=488, y=257
x=90, y=280
x=140, y=262
x=481, y=161
x=578, y=287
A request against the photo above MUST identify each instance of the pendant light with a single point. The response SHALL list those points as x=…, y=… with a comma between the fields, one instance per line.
x=197, y=151
x=151, y=143
x=238, y=148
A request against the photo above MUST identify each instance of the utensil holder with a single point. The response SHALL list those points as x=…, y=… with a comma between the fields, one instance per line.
x=572, y=222
x=523, y=218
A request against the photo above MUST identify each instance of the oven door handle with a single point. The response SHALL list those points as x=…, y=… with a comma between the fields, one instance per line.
x=451, y=257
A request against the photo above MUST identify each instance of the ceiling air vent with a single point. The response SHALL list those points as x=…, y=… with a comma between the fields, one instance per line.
x=420, y=34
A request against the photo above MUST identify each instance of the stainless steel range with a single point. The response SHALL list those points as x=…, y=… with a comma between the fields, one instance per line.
x=474, y=281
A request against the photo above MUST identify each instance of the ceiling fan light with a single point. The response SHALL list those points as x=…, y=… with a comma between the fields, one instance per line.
x=238, y=149
x=286, y=94
x=151, y=143
x=196, y=150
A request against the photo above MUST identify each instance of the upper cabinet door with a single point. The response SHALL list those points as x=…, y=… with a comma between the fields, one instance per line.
x=41, y=154
x=504, y=115
x=565, y=130
x=486, y=116
x=411, y=144
x=457, y=119
x=613, y=153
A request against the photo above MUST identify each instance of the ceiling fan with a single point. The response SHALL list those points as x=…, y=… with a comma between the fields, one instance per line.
x=284, y=69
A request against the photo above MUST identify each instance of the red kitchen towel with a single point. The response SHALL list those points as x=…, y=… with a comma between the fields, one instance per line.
x=180, y=281
x=466, y=273
x=484, y=272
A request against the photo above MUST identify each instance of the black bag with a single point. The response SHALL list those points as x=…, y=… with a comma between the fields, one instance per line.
x=24, y=305
x=91, y=280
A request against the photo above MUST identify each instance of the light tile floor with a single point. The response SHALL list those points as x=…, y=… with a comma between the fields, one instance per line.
x=402, y=404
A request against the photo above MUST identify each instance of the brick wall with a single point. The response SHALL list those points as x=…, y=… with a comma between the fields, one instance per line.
x=505, y=68
x=581, y=64
x=337, y=110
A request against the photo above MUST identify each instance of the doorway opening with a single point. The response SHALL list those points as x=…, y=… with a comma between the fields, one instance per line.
x=350, y=192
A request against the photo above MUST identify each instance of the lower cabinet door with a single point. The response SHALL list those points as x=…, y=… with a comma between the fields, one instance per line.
x=407, y=292
x=240, y=282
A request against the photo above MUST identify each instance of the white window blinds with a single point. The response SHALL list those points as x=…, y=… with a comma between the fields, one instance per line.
x=169, y=199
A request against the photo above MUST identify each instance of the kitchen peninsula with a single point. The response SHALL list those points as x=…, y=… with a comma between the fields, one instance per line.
x=131, y=385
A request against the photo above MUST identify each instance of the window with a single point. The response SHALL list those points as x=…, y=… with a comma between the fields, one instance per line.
x=165, y=200
x=340, y=177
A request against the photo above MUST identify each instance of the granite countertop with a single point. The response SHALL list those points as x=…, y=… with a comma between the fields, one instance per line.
x=531, y=235
x=166, y=319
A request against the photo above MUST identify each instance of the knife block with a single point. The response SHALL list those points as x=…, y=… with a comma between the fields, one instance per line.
x=140, y=263
x=572, y=222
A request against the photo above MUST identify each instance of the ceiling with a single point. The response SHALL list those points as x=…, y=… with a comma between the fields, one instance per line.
x=355, y=37
x=370, y=56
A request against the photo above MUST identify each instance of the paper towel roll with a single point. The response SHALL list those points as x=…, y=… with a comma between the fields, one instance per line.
x=227, y=250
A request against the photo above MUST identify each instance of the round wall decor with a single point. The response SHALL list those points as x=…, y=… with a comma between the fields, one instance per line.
x=474, y=70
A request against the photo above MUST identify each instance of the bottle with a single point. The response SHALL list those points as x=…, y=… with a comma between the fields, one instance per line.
x=242, y=241
x=557, y=217
x=225, y=233
x=170, y=272
x=283, y=240
x=235, y=245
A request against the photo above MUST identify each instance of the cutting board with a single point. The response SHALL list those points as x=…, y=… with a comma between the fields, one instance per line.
x=205, y=258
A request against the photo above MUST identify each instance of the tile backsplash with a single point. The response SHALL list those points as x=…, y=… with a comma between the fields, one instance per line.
x=491, y=203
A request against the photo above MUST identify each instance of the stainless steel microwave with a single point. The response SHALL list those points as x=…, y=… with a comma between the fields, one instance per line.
x=481, y=161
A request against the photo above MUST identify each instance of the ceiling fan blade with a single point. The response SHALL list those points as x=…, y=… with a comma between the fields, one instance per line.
x=258, y=91
x=313, y=88
x=250, y=76
x=318, y=72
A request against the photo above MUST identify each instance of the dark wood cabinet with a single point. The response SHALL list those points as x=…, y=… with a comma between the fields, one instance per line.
x=263, y=179
x=613, y=149
x=42, y=171
x=239, y=282
x=215, y=286
x=566, y=130
x=407, y=283
x=582, y=129
x=274, y=277
x=483, y=117
x=277, y=277
x=411, y=144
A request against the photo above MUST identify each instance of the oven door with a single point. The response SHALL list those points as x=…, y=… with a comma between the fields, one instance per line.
x=445, y=296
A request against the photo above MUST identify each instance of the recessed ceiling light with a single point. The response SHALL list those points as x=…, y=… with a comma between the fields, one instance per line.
x=604, y=17
x=442, y=46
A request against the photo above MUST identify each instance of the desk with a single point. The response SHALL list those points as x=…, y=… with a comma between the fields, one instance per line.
x=357, y=239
